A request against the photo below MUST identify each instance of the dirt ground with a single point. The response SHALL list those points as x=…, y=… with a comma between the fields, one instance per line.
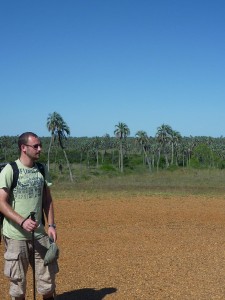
x=152, y=247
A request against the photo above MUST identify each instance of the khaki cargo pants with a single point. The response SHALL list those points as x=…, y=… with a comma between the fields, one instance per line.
x=18, y=257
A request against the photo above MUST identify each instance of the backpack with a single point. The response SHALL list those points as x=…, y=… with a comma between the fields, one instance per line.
x=14, y=166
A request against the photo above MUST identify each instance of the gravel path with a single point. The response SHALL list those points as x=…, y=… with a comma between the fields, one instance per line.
x=153, y=247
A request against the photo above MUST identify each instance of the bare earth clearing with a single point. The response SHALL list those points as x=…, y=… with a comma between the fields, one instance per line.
x=150, y=247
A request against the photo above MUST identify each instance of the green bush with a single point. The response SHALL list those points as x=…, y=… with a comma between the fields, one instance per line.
x=172, y=168
x=203, y=157
x=107, y=168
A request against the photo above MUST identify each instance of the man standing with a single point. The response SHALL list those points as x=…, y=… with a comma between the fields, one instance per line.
x=31, y=194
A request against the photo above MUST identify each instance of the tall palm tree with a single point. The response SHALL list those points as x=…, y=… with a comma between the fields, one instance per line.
x=210, y=145
x=105, y=145
x=95, y=147
x=175, y=138
x=59, y=130
x=163, y=136
x=143, y=140
x=121, y=132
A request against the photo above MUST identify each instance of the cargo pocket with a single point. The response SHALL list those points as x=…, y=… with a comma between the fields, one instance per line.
x=12, y=268
x=53, y=267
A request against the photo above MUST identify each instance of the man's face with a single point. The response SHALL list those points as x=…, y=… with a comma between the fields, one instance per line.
x=33, y=148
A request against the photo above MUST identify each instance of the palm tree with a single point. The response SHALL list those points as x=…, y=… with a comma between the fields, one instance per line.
x=121, y=132
x=59, y=130
x=105, y=145
x=163, y=136
x=210, y=145
x=143, y=140
x=175, y=138
x=95, y=145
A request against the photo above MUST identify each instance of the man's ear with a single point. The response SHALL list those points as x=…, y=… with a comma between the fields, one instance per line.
x=23, y=148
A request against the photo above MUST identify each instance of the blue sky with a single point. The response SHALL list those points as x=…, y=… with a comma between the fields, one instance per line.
x=100, y=62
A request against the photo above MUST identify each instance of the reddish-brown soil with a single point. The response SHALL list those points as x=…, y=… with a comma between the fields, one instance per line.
x=153, y=247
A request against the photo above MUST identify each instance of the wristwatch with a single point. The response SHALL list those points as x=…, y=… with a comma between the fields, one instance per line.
x=52, y=225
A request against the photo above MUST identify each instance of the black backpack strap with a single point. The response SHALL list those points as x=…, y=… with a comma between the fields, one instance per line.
x=15, y=174
x=41, y=168
x=14, y=183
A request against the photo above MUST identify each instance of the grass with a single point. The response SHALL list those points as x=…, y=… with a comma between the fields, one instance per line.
x=179, y=182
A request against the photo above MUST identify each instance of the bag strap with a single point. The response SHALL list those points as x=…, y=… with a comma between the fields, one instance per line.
x=41, y=168
x=15, y=174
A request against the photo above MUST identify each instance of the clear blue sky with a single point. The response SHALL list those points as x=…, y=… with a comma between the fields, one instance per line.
x=100, y=62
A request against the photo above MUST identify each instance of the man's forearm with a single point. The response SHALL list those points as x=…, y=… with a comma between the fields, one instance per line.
x=50, y=216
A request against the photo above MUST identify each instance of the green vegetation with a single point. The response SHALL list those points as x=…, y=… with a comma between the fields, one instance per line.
x=209, y=182
x=166, y=163
x=139, y=154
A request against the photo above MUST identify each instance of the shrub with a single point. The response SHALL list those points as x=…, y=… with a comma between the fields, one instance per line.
x=107, y=168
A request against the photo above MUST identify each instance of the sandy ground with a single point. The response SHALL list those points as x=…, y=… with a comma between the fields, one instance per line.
x=153, y=247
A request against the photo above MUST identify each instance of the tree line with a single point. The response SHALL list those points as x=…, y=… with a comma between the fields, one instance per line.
x=166, y=150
